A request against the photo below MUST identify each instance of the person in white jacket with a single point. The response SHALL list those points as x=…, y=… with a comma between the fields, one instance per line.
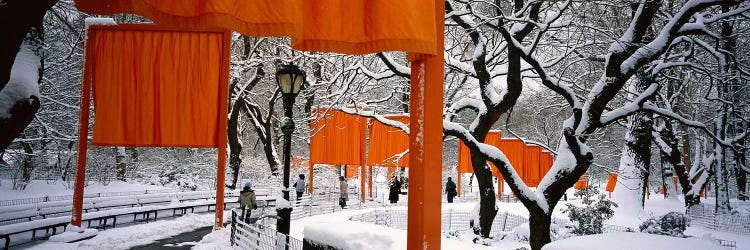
x=300, y=186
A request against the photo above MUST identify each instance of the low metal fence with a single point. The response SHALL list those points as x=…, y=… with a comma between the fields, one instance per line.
x=452, y=220
x=705, y=216
x=259, y=236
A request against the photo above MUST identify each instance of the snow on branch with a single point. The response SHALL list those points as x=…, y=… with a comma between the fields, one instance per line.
x=630, y=108
x=527, y=196
x=695, y=124
x=380, y=118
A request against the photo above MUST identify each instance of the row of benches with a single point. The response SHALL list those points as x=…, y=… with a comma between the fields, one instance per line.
x=53, y=208
x=143, y=206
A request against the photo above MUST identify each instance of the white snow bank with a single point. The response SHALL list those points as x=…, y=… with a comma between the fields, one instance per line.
x=219, y=239
x=628, y=241
x=73, y=233
x=358, y=235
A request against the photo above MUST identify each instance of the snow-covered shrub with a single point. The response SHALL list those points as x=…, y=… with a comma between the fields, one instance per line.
x=589, y=218
x=672, y=224
x=521, y=232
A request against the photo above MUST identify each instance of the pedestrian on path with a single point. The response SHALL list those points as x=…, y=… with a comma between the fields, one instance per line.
x=247, y=201
x=395, y=189
x=450, y=189
x=343, y=191
x=300, y=186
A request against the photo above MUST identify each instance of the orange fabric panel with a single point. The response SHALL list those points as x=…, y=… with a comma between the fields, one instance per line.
x=464, y=158
x=386, y=142
x=580, y=185
x=351, y=171
x=156, y=87
x=337, y=138
x=532, y=165
x=546, y=160
x=343, y=26
x=514, y=151
x=464, y=155
x=611, y=182
x=582, y=182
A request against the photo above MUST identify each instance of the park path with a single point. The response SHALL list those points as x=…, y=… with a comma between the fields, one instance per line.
x=180, y=241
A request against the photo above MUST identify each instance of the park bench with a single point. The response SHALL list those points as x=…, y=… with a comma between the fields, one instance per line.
x=17, y=213
x=104, y=211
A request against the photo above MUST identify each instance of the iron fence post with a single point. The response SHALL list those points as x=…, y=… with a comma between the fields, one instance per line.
x=234, y=228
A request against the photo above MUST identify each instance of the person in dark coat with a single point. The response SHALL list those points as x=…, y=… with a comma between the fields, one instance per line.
x=343, y=192
x=247, y=201
x=395, y=189
x=450, y=189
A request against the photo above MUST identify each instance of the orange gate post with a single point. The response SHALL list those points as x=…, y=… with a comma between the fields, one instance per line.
x=362, y=174
x=458, y=177
x=369, y=178
x=311, y=172
x=223, y=109
x=426, y=135
x=83, y=135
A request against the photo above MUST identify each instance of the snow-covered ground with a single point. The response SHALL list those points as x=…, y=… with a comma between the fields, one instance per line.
x=628, y=241
x=134, y=235
x=378, y=237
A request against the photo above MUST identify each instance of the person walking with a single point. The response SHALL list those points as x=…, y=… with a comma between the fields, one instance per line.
x=343, y=191
x=247, y=201
x=395, y=189
x=450, y=189
x=300, y=186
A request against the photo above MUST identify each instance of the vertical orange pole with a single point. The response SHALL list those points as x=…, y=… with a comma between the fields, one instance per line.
x=500, y=187
x=310, y=172
x=369, y=183
x=222, y=149
x=362, y=181
x=458, y=179
x=426, y=137
x=83, y=132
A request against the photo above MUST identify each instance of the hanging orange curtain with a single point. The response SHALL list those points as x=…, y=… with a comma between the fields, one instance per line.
x=464, y=158
x=351, y=171
x=611, y=182
x=343, y=26
x=545, y=160
x=464, y=155
x=386, y=142
x=165, y=95
x=532, y=165
x=514, y=151
x=582, y=182
x=337, y=138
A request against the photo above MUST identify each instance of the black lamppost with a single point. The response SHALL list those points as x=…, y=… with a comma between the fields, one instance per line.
x=290, y=79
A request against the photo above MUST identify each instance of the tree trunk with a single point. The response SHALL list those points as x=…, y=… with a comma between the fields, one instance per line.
x=740, y=174
x=635, y=161
x=27, y=165
x=487, y=200
x=670, y=191
x=120, y=163
x=539, y=224
x=235, y=145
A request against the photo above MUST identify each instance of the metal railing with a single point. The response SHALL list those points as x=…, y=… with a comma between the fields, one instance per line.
x=705, y=215
x=259, y=236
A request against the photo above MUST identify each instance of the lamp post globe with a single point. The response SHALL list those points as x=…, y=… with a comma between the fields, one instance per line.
x=290, y=79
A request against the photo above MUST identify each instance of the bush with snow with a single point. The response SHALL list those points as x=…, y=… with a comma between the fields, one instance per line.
x=672, y=224
x=589, y=218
